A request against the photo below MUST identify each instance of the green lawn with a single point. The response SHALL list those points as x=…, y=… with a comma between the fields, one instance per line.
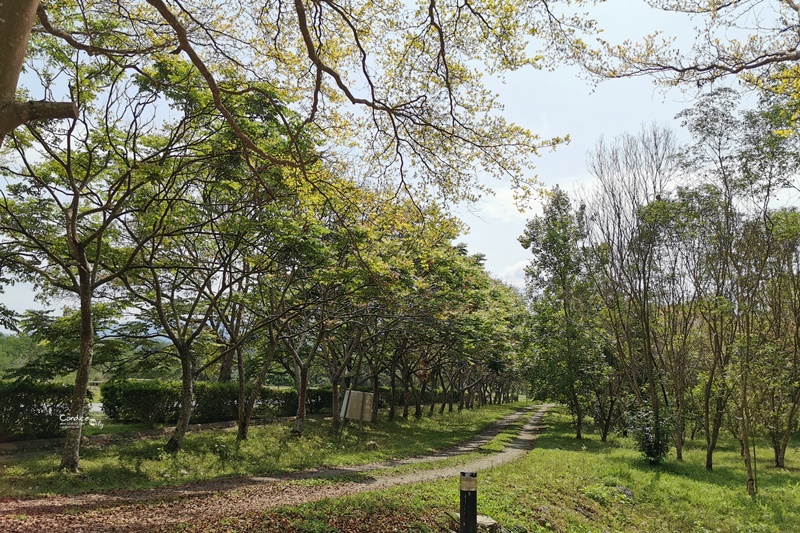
x=563, y=485
x=213, y=454
x=567, y=485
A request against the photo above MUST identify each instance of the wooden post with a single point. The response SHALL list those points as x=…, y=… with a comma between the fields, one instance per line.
x=468, y=517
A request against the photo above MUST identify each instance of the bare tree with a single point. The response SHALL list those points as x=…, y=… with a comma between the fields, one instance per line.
x=633, y=173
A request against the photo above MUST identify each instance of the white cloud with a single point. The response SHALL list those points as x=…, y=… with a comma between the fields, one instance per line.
x=514, y=274
x=500, y=207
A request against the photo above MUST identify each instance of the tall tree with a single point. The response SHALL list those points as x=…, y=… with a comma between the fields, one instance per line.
x=70, y=192
x=395, y=79
x=568, y=359
x=632, y=172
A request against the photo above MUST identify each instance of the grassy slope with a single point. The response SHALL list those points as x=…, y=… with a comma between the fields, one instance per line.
x=572, y=486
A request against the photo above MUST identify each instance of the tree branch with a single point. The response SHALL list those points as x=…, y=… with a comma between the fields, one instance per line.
x=14, y=114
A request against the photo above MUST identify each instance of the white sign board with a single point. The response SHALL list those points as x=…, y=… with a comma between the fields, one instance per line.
x=357, y=405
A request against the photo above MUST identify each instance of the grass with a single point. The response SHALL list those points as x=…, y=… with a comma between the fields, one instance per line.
x=214, y=454
x=563, y=485
x=497, y=443
x=566, y=485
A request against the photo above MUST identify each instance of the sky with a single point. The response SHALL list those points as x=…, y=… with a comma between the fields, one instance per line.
x=550, y=104
x=563, y=102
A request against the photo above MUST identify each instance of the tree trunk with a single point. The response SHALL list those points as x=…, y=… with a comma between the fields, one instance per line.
x=187, y=402
x=16, y=21
x=244, y=407
x=433, y=395
x=445, y=390
x=680, y=430
x=749, y=463
x=393, y=388
x=301, y=375
x=70, y=458
x=577, y=410
x=780, y=453
x=406, y=394
x=712, y=433
x=336, y=419
x=780, y=439
x=376, y=392
x=226, y=366
x=607, y=422
x=419, y=398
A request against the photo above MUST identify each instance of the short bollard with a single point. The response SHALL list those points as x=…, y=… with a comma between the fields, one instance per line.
x=468, y=517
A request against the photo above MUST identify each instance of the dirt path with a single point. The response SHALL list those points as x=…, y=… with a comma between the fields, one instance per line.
x=164, y=509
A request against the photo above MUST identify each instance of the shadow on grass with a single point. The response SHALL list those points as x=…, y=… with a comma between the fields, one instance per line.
x=549, y=440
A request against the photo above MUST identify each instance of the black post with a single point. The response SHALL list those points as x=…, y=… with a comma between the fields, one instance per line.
x=468, y=518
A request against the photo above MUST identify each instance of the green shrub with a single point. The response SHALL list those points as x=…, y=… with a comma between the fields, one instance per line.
x=653, y=444
x=215, y=401
x=283, y=402
x=276, y=402
x=34, y=410
x=141, y=400
x=318, y=401
x=154, y=401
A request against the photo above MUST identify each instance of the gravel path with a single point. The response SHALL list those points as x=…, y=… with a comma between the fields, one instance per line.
x=164, y=509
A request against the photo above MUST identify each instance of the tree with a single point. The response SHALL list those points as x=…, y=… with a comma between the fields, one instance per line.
x=58, y=341
x=567, y=356
x=420, y=109
x=782, y=364
x=755, y=39
x=633, y=173
x=177, y=284
x=70, y=196
x=189, y=282
x=16, y=21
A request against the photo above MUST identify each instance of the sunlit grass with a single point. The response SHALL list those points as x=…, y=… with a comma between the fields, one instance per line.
x=568, y=485
x=215, y=454
x=563, y=485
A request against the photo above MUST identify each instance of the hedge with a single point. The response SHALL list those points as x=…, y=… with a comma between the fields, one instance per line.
x=155, y=402
x=34, y=410
x=141, y=401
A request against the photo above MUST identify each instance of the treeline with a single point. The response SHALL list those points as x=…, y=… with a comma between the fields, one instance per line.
x=368, y=295
x=218, y=232
x=669, y=302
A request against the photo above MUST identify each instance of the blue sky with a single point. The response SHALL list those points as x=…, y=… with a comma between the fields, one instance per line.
x=564, y=102
x=585, y=113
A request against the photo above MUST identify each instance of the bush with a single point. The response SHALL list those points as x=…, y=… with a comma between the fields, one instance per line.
x=318, y=401
x=141, y=400
x=215, y=401
x=159, y=401
x=653, y=444
x=276, y=402
x=34, y=410
x=283, y=402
